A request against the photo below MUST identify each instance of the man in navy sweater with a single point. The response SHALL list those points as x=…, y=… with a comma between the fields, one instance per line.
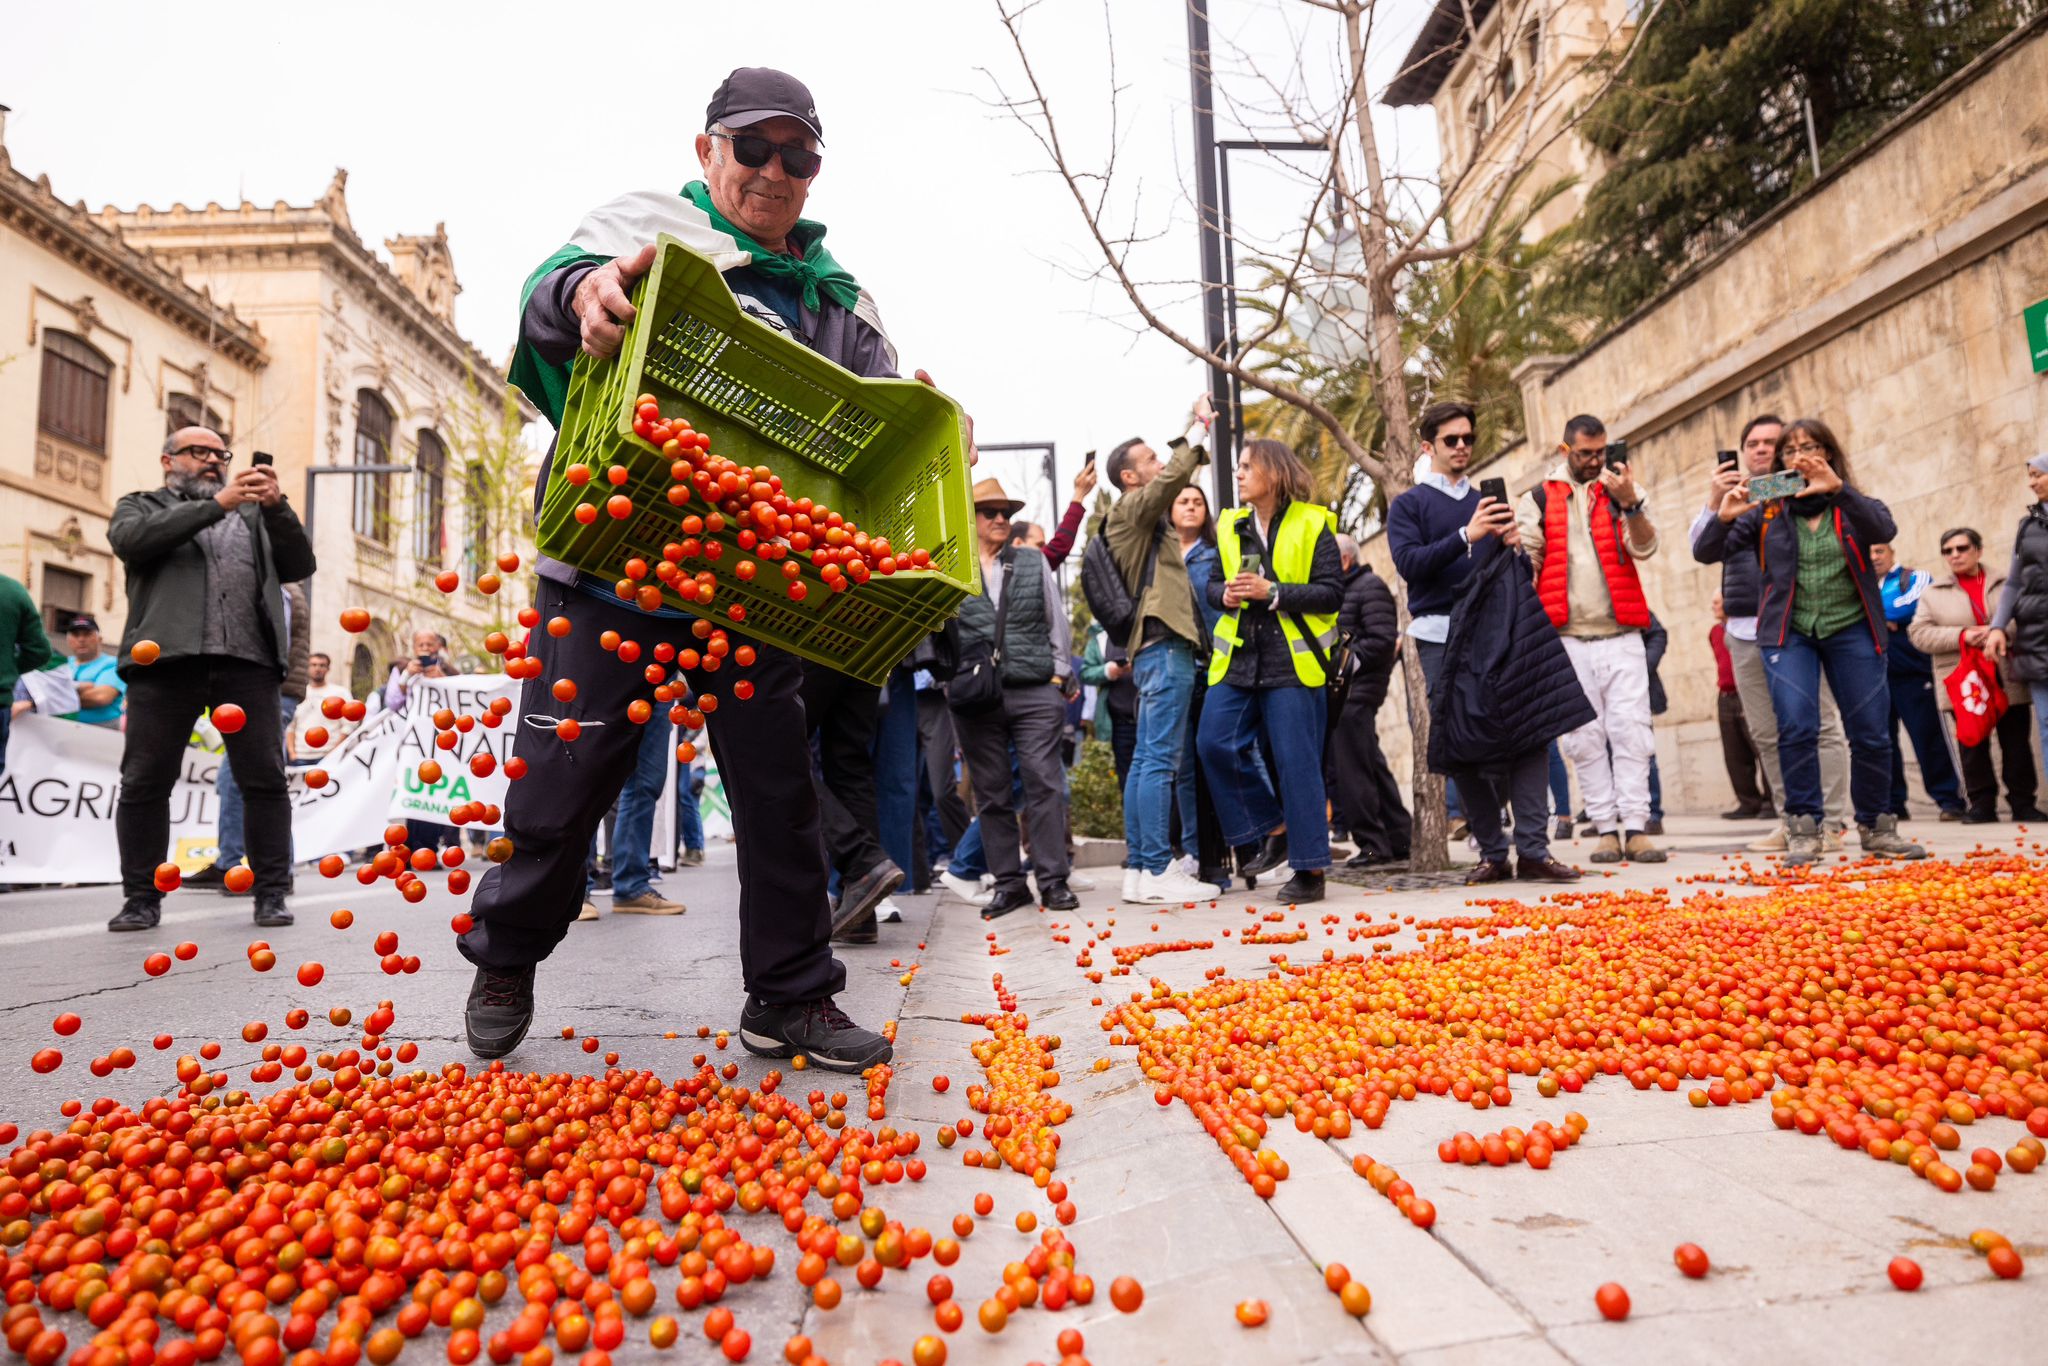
x=1439, y=531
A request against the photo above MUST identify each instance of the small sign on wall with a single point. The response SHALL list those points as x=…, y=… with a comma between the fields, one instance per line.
x=2037, y=335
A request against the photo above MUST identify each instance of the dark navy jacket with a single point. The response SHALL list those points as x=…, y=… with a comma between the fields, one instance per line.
x=1770, y=535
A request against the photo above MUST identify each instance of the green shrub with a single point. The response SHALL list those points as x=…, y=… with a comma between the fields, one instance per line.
x=1096, y=801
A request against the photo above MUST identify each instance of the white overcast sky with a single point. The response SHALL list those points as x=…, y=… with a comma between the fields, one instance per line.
x=508, y=121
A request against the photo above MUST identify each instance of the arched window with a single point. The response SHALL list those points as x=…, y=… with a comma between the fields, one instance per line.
x=77, y=381
x=371, y=515
x=183, y=410
x=429, y=500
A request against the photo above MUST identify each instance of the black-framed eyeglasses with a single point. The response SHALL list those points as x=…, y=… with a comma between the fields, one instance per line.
x=1455, y=439
x=206, y=454
x=752, y=151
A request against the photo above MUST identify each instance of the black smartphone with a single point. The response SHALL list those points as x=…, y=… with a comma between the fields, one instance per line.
x=1087, y=460
x=262, y=458
x=1496, y=489
x=1617, y=454
x=1725, y=459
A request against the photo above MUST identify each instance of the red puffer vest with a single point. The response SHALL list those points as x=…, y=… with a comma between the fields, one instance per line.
x=1630, y=607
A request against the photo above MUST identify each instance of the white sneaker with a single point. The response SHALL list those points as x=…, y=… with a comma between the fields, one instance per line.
x=1186, y=864
x=973, y=893
x=1173, y=886
x=1131, y=876
x=1081, y=882
x=888, y=912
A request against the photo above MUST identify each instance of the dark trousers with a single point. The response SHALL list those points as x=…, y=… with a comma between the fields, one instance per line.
x=1123, y=744
x=1914, y=707
x=525, y=905
x=2015, y=740
x=937, y=742
x=1030, y=719
x=1211, y=850
x=163, y=702
x=1521, y=783
x=1367, y=792
x=1738, y=752
x=841, y=711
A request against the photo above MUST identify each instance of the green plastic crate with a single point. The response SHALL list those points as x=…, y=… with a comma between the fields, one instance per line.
x=888, y=454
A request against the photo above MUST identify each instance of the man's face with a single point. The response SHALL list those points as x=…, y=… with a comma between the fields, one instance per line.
x=1141, y=466
x=993, y=522
x=84, y=643
x=1759, y=447
x=764, y=200
x=426, y=643
x=1451, y=452
x=197, y=465
x=1034, y=535
x=316, y=670
x=1583, y=455
x=1882, y=559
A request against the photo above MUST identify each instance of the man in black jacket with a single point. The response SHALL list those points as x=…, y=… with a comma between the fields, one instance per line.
x=1367, y=794
x=205, y=556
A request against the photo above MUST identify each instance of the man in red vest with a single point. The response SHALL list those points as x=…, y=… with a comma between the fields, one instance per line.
x=1584, y=527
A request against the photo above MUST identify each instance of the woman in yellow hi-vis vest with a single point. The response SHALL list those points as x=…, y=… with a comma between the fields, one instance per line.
x=1281, y=585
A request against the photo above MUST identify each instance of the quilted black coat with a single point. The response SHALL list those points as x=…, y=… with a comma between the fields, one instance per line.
x=1506, y=686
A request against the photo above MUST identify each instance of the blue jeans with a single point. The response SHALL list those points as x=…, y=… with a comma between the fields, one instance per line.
x=1561, y=784
x=1855, y=674
x=633, y=834
x=2038, y=691
x=1292, y=719
x=896, y=769
x=689, y=820
x=232, y=848
x=1914, y=707
x=1165, y=675
x=968, y=859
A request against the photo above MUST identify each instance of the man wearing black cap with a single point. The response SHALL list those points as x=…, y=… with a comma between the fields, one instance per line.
x=759, y=154
x=100, y=689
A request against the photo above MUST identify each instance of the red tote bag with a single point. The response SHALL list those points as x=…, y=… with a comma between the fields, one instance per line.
x=1978, y=700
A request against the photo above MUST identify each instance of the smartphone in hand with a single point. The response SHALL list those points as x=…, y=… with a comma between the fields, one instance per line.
x=1496, y=489
x=1725, y=459
x=1617, y=454
x=262, y=458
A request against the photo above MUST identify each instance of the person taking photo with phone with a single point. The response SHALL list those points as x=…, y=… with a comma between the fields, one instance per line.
x=1583, y=528
x=1820, y=616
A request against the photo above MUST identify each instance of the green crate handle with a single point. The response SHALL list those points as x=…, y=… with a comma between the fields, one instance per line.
x=889, y=454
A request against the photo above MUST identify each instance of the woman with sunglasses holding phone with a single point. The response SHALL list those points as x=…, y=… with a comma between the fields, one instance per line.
x=1820, y=614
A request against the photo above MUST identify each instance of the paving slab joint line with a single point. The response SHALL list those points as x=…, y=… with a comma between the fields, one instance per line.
x=105, y=991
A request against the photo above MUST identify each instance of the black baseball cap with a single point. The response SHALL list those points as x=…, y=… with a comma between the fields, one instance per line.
x=80, y=621
x=752, y=94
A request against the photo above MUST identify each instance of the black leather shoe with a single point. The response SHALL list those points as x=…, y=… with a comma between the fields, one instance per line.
x=270, y=912
x=137, y=913
x=1303, y=886
x=212, y=875
x=1489, y=871
x=1545, y=870
x=1365, y=858
x=1002, y=903
x=1743, y=814
x=1977, y=815
x=1271, y=855
x=818, y=1029
x=500, y=1010
x=1057, y=896
x=1243, y=855
x=860, y=897
x=861, y=931
x=2029, y=813
x=1951, y=814
x=1653, y=827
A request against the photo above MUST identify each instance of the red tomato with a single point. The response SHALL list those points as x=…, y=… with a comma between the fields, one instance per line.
x=1691, y=1259
x=229, y=718
x=1905, y=1273
x=1612, y=1301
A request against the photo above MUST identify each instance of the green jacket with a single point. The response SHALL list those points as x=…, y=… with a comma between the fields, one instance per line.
x=23, y=646
x=1133, y=527
x=155, y=533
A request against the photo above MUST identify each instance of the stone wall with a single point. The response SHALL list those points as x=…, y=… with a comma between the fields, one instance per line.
x=1885, y=300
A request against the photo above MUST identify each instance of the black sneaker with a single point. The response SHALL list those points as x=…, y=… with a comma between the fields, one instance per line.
x=138, y=913
x=860, y=897
x=212, y=875
x=1303, y=886
x=1057, y=896
x=270, y=912
x=817, y=1029
x=1002, y=903
x=861, y=931
x=500, y=1010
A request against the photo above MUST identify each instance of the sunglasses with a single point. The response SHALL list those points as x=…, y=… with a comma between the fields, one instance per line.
x=1455, y=439
x=753, y=152
x=1956, y=549
x=994, y=514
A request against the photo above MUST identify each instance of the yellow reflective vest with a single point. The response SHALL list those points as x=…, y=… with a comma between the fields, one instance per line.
x=1294, y=552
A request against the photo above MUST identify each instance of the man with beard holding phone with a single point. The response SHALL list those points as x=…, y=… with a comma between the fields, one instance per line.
x=205, y=555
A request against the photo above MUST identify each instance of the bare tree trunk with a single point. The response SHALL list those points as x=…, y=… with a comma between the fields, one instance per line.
x=1428, y=848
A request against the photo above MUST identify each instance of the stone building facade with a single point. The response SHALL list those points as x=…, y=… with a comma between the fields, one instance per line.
x=1512, y=81
x=103, y=350
x=1886, y=299
x=367, y=368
